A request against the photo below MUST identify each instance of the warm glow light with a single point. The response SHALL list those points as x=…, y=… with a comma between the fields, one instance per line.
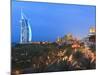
x=17, y=72
x=92, y=30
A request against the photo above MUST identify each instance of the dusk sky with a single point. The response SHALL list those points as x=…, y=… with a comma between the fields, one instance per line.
x=49, y=20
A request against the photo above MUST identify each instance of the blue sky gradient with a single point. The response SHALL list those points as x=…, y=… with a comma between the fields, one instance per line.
x=50, y=20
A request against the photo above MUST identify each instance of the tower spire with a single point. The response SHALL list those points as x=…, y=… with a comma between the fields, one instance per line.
x=22, y=16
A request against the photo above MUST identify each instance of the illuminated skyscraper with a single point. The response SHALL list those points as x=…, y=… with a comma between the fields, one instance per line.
x=25, y=32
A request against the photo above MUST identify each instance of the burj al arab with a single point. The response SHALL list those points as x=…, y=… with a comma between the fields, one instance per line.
x=25, y=29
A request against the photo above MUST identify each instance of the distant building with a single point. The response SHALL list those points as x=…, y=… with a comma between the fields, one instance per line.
x=25, y=33
x=92, y=35
x=67, y=39
x=90, y=39
x=59, y=40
